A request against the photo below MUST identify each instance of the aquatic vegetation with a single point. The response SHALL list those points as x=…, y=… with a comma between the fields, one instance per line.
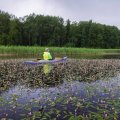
x=82, y=70
x=74, y=90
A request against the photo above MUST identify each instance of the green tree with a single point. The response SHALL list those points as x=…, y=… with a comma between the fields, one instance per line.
x=4, y=27
x=15, y=33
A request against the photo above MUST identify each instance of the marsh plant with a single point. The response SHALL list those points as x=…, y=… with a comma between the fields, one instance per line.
x=51, y=92
x=83, y=70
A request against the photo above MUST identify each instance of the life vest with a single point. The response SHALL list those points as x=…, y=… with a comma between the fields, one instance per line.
x=47, y=56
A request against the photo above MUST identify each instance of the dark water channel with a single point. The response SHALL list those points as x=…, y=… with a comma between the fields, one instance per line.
x=69, y=99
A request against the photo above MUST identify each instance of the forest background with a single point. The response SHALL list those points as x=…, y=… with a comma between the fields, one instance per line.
x=40, y=30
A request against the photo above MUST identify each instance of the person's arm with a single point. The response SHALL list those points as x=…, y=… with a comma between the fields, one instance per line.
x=49, y=56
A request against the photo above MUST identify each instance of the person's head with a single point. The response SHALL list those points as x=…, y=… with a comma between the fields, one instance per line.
x=46, y=50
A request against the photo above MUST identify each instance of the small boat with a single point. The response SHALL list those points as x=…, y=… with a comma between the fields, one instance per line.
x=32, y=62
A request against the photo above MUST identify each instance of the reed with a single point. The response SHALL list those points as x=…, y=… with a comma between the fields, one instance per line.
x=61, y=50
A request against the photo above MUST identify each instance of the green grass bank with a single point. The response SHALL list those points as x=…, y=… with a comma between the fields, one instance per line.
x=62, y=50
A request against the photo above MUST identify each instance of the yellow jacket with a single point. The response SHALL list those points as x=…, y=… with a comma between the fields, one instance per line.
x=47, y=56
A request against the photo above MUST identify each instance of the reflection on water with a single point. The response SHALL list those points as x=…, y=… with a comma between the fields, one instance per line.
x=84, y=98
x=86, y=56
x=47, y=68
x=16, y=56
x=95, y=56
x=29, y=92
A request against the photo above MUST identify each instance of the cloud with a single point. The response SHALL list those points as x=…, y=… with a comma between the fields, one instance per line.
x=103, y=11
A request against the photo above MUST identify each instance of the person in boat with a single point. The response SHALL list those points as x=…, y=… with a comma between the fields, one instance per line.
x=47, y=55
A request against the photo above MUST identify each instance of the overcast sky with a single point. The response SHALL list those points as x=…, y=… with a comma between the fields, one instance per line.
x=100, y=11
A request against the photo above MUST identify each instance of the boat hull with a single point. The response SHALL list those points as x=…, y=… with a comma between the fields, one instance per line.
x=45, y=61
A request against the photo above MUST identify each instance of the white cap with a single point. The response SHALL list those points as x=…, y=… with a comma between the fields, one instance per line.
x=46, y=49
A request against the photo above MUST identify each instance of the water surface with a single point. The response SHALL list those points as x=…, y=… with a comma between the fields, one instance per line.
x=79, y=56
x=77, y=98
x=86, y=89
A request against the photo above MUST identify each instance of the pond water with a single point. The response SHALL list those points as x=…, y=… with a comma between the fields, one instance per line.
x=79, y=56
x=68, y=99
x=73, y=90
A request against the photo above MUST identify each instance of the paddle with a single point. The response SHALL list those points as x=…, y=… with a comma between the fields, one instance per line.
x=39, y=59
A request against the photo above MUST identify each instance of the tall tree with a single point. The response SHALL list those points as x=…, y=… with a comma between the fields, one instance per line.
x=15, y=32
x=68, y=31
x=4, y=27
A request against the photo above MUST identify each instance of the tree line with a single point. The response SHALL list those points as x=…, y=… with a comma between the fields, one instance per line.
x=54, y=31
